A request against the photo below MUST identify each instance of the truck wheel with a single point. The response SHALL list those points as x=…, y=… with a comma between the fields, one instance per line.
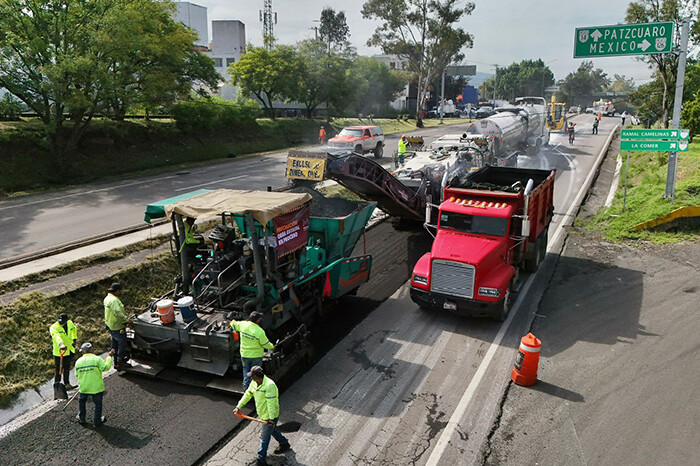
x=358, y=149
x=505, y=305
x=532, y=259
x=378, y=151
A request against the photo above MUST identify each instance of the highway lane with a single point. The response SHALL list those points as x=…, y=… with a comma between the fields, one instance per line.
x=45, y=220
x=412, y=387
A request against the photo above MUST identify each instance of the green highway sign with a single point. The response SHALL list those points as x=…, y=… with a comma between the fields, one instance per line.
x=655, y=134
x=624, y=39
x=659, y=146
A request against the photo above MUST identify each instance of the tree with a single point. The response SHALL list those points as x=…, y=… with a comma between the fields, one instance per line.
x=268, y=74
x=529, y=77
x=666, y=65
x=334, y=30
x=68, y=60
x=621, y=85
x=648, y=98
x=375, y=87
x=423, y=33
x=579, y=86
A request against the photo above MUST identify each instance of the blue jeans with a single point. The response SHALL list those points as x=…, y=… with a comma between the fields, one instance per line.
x=267, y=432
x=248, y=364
x=97, y=399
x=119, y=343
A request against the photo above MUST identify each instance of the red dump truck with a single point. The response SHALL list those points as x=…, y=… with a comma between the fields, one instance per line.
x=490, y=225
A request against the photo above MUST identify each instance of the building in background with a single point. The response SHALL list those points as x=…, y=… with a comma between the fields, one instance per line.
x=226, y=46
x=194, y=16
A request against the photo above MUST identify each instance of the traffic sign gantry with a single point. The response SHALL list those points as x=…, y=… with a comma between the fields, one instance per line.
x=624, y=39
x=659, y=146
x=655, y=134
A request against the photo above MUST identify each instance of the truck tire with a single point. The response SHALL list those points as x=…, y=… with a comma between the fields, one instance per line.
x=505, y=305
x=358, y=150
x=378, y=151
x=532, y=257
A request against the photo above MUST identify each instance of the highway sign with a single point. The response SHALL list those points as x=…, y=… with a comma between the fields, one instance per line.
x=461, y=70
x=624, y=39
x=655, y=134
x=658, y=146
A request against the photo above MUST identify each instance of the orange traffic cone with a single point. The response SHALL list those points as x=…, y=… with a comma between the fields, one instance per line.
x=525, y=370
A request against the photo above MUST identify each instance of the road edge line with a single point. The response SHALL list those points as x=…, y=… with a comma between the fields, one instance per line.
x=443, y=441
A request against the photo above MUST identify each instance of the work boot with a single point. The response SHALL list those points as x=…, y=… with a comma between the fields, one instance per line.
x=261, y=463
x=102, y=421
x=80, y=421
x=282, y=448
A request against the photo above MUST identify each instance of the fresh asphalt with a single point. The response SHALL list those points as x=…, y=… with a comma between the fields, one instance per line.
x=46, y=220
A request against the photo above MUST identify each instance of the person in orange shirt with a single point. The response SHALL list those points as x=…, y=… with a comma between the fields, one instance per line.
x=322, y=135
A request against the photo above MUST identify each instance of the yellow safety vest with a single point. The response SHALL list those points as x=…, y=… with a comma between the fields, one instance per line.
x=115, y=317
x=267, y=399
x=59, y=335
x=88, y=370
x=253, y=340
x=402, y=146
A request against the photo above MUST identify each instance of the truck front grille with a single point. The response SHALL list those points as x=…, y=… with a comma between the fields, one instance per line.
x=452, y=278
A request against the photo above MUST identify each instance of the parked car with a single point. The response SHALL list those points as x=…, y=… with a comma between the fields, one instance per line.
x=484, y=112
x=359, y=139
x=573, y=109
x=589, y=110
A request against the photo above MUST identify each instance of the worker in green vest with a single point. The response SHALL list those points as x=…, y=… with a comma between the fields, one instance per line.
x=267, y=407
x=253, y=343
x=63, y=334
x=403, y=144
x=116, y=320
x=88, y=370
x=188, y=225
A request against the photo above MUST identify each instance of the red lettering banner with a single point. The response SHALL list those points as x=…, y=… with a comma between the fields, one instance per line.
x=291, y=230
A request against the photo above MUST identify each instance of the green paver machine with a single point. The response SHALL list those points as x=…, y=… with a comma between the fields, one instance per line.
x=278, y=253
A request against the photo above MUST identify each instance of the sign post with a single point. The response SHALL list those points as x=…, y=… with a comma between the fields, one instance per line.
x=624, y=39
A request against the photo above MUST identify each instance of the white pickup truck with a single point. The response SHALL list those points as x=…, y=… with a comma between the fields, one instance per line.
x=359, y=139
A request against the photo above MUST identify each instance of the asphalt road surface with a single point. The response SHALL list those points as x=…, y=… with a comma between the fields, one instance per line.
x=413, y=387
x=45, y=220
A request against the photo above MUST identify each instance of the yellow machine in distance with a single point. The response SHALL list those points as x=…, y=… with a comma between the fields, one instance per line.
x=556, y=118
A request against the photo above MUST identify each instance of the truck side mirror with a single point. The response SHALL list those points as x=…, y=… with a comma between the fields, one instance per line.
x=526, y=227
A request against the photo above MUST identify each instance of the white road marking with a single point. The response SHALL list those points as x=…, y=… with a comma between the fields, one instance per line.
x=187, y=188
x=82, y=193
x=460, y=410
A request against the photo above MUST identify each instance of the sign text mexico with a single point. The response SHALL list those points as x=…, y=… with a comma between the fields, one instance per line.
x=624, y=39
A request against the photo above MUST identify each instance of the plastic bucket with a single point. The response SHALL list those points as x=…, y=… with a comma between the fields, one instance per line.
x=166, y=311
x=186, y=306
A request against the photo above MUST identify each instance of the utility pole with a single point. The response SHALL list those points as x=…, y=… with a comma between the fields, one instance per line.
x=495, y=84
x=677, y=104
x=269, y=19
x=315, y=29
x=442, y=97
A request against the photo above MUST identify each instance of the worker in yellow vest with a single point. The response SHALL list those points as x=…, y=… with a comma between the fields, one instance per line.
x=190, y=239
x=88, y=370
x=403, y=144
x=267, y=406
x=63, y=335
x=253, y=343
x=116, y=320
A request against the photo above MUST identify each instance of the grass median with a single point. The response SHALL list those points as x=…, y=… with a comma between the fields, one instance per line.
x=645, y=188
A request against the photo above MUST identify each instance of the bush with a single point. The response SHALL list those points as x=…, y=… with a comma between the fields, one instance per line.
x=10, y=108
x=205, y=114
x=691, y=116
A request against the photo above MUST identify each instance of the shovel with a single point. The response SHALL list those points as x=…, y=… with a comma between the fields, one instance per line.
x=59, y=390
x=291, y=426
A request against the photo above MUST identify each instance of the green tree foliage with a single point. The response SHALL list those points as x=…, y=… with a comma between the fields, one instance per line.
x=665, y=65
x=529, y=77
x=10, y=108
x=69, y=60
x=621, y=85
x=579, y=86
x=334, y=30
x=376, y=86
x=690, y=115
x=648, y=98
x=209, y=114
x=422, y=32
x=268, y=74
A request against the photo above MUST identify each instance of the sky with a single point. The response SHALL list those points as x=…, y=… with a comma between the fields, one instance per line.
x=504, y=31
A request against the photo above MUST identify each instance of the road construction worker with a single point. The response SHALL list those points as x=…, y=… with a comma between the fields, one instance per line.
x=63, y=334
x=403, y=144
x=623, y=116
x=595, y=126
x=578, y=110
x=116, y=320
x=267, y=407
x=189, y=227
x=88, y=370
x=253, y=343
x=322, y=135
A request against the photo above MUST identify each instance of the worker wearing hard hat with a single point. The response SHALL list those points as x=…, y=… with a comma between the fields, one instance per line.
x=253, y=343
x=267, y=407
x=403, y=144
x=63, y=334
x=88, y=370
x=116, y=320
